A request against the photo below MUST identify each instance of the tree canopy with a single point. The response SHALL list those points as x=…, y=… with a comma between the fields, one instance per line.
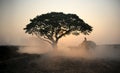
x=52, y=26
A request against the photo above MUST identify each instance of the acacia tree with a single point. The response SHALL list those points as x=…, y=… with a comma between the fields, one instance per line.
x=53, y=26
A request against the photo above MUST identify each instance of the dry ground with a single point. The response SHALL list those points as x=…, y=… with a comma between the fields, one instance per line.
x=32, y=63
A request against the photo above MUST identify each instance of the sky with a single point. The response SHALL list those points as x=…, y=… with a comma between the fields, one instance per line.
x=102, y=15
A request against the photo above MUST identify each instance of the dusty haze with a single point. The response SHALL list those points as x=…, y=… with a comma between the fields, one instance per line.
x=103, y=15
x=111, y=52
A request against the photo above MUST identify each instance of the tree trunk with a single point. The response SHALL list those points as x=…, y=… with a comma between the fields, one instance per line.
x=54, y=45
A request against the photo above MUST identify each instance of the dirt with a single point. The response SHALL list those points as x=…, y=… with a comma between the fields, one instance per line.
x=33, y=63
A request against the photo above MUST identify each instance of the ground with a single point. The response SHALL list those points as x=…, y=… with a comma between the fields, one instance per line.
x=14, y=62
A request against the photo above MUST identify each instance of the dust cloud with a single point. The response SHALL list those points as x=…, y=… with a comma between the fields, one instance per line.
x=111, y=52
x=35, y=46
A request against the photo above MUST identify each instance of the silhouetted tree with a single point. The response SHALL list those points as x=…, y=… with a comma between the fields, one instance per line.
x=52, y=26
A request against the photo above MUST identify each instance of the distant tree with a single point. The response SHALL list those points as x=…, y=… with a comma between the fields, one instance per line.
x=53, y=26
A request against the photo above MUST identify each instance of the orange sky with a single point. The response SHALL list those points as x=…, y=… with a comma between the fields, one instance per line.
x=103, y=15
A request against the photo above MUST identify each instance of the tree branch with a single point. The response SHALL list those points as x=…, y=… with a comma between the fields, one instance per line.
x=43, y=38
x=64, y=33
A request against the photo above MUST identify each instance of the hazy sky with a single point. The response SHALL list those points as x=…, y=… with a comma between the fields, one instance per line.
x=103, y=15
